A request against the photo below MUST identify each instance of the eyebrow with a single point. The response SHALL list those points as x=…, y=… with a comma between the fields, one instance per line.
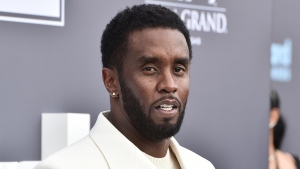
x=183, y=61
x=147, y=59
x=150, y=59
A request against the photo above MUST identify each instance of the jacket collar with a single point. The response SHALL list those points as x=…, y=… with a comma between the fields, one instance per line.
x=183, y=159
x=118, y=151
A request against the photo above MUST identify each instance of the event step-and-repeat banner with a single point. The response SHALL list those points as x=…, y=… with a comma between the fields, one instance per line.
x=50, y=62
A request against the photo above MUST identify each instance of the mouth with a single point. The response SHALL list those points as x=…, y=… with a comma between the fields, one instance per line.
x=167, y=108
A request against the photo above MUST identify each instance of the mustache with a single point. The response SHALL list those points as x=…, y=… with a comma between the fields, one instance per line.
x=167, y=97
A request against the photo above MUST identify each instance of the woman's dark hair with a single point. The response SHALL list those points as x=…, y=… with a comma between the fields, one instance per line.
x=278, y=132
x=275, y=101
x=279, y=128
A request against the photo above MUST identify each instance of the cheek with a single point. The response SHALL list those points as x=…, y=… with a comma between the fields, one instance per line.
x=143, y=88
x=184, y=89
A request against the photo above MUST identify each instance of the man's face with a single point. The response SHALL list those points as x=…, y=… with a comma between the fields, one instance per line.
x=155, y=81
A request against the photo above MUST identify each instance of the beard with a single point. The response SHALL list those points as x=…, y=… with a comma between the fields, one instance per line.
x=142, y=120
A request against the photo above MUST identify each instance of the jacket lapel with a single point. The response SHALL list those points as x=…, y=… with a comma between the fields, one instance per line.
x=118, y=151
x=188, y=159
x=176, y=148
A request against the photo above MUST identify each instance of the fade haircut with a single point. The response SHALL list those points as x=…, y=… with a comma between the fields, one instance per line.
x=114, y=42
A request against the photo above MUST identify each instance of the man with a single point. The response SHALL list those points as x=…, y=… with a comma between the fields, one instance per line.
x=146, y=54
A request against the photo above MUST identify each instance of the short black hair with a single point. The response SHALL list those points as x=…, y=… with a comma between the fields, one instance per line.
x=114, y=40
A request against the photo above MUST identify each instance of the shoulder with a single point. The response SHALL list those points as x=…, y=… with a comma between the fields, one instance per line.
x=286, y=160
x=82, y=154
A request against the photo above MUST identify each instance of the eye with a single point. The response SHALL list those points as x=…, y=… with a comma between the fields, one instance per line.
x=179, y=70
x=149, y=70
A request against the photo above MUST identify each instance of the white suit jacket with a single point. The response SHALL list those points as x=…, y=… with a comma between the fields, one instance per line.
x=105, y=147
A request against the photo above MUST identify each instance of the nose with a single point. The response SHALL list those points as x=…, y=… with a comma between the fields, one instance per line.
x=166, y=83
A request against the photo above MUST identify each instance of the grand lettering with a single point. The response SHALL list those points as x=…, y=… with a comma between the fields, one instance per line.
x=204, y=21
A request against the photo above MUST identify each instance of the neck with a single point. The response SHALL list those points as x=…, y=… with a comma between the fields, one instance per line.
x=151, y=147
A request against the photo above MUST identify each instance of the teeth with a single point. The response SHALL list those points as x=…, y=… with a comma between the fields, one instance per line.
x=166, y=107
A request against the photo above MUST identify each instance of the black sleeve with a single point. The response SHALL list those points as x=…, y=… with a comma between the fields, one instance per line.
x=297, y=161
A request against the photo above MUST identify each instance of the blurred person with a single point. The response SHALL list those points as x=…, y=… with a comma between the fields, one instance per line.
x=146, y=55
x=278, y=159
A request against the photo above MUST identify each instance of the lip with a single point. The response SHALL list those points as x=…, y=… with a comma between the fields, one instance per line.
x=167, y=113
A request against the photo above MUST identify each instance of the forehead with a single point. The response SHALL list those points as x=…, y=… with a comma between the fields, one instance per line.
x=158, y=41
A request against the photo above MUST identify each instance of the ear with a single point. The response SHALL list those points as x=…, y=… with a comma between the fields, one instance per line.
x=110, y=79
x=274, y=116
